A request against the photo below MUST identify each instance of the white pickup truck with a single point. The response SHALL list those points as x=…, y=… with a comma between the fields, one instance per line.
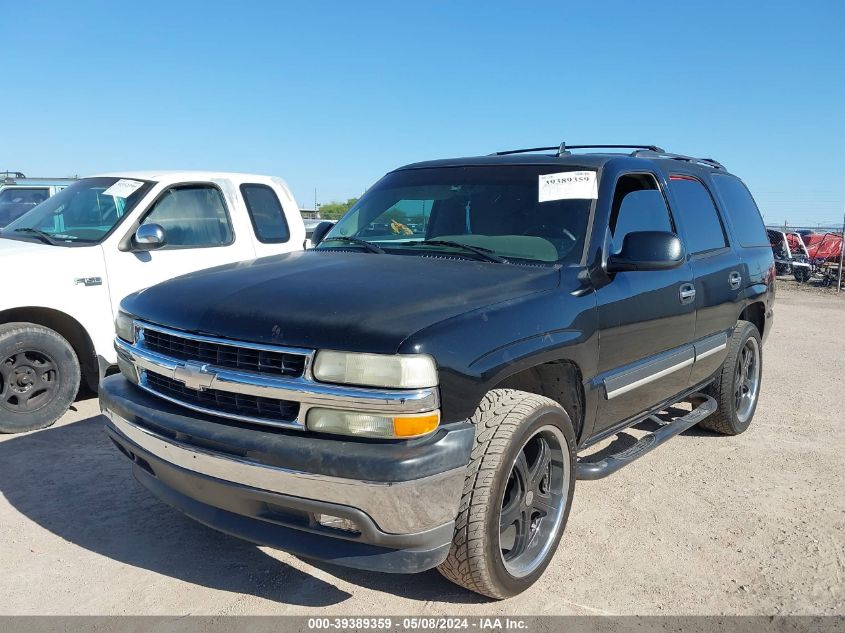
x=70, y=260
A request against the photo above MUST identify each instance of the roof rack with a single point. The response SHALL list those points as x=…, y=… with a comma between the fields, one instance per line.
x=709, y=162
x=7, y=175
x=651, y=151
x=563, y=149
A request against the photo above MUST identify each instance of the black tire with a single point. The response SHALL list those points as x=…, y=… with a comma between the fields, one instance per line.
x=801, y=274
x=506, y=422
x=727, y=419
x=39, y=377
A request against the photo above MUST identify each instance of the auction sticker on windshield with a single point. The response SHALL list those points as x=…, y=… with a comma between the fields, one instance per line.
x=568, y=185
x=123, y=188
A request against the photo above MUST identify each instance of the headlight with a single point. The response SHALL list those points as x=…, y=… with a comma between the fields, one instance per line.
x=376, y=370
x=372, y=424
x=124, y=326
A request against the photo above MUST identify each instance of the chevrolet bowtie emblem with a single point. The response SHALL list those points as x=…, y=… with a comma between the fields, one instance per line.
x=194, y=375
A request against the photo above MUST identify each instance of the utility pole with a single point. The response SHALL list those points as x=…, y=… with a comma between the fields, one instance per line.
x=841, y=257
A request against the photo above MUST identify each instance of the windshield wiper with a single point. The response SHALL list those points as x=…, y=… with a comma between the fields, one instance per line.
x=45, y=237
x=372, y=248
x=485, y=253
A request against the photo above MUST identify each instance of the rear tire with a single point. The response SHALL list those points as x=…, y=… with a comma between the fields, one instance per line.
x=517, y=495
x=39, y=377
x=801, y=274
x=737, y=386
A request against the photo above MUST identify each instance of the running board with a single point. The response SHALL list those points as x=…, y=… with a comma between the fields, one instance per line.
x=667, y=430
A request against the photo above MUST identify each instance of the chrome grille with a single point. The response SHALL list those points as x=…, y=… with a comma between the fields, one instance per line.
x=238, y=405
x=208, y=357
x=234, y=356
x=221, y=377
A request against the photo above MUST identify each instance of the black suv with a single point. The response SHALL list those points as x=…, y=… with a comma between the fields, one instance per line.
x=419, y=390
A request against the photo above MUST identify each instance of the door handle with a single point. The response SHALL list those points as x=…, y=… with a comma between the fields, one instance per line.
x=687, y=293
x=735, y=280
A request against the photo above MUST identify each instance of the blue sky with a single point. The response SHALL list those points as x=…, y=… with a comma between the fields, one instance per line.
x=333, y=94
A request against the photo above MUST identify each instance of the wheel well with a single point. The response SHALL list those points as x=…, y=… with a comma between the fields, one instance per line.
x=559, y=380
x=756, y=314
x=69, y=328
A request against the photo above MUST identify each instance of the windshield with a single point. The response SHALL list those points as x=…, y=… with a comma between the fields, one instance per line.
x=85, y=212
x=496, y=210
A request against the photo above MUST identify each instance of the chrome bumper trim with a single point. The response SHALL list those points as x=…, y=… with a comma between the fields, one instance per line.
x=396, y=508
x=308, y=392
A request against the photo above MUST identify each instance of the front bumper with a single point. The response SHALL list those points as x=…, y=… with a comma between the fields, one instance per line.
x=237, y=479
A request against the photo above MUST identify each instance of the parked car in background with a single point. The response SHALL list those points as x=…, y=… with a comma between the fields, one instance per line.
x=310, y=225
x=431, y=398
x=77, y=254
x=790, y=253
x=19, y=194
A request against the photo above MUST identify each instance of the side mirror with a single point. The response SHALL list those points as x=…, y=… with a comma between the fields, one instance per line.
x=320, y=232
x=149, y=237
x=648, y=250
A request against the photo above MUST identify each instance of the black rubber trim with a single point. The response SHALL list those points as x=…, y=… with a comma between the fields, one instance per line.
x=336, y=456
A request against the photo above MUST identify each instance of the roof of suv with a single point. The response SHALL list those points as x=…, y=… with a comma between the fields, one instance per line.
x=591, y=160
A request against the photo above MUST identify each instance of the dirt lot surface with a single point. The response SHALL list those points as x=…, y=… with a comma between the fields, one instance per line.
x=753, y=524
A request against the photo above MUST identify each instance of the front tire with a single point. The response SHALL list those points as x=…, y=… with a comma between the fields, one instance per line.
x=517, y=495
x=39, y=377
x=737, y=386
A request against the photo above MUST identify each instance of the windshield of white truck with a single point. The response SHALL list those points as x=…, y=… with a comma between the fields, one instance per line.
x=83, y=213
x=535, y=213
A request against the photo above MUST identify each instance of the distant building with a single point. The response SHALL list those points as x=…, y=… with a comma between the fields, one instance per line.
x=310, y=214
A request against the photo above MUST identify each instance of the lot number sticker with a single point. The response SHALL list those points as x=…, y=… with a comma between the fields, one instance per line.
x=123, y=188
x=569, y=185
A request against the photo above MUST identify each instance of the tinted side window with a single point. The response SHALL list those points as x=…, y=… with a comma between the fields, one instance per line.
x=638, y=206
x=745, y=216
x=192, y=216
x=704, y=231
x=266, y=213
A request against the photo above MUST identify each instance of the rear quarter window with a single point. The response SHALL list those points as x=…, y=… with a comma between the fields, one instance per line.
x=266, y=213
x=701, y=220
x=743, y=212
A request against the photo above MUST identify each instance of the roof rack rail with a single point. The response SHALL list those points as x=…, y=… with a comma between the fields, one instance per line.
x=563, y=148
x=709, y=162
x=12, y=174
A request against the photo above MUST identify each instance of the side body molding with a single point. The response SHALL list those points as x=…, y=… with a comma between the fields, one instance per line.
x=628, y=378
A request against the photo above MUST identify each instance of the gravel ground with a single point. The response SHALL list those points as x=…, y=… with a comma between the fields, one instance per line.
x=753, y=524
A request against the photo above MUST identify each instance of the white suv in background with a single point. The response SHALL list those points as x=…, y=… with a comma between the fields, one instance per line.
x=69, y=261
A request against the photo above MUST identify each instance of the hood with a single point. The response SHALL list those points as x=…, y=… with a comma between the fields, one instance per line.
x=51, y=272
x=333, y=299
x=14, y=248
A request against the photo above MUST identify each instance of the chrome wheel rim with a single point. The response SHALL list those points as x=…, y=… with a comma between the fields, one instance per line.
x=747, y=379
x=532, y=504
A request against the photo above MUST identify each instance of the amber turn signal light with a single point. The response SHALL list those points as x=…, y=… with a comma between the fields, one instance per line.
x=413, y=426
